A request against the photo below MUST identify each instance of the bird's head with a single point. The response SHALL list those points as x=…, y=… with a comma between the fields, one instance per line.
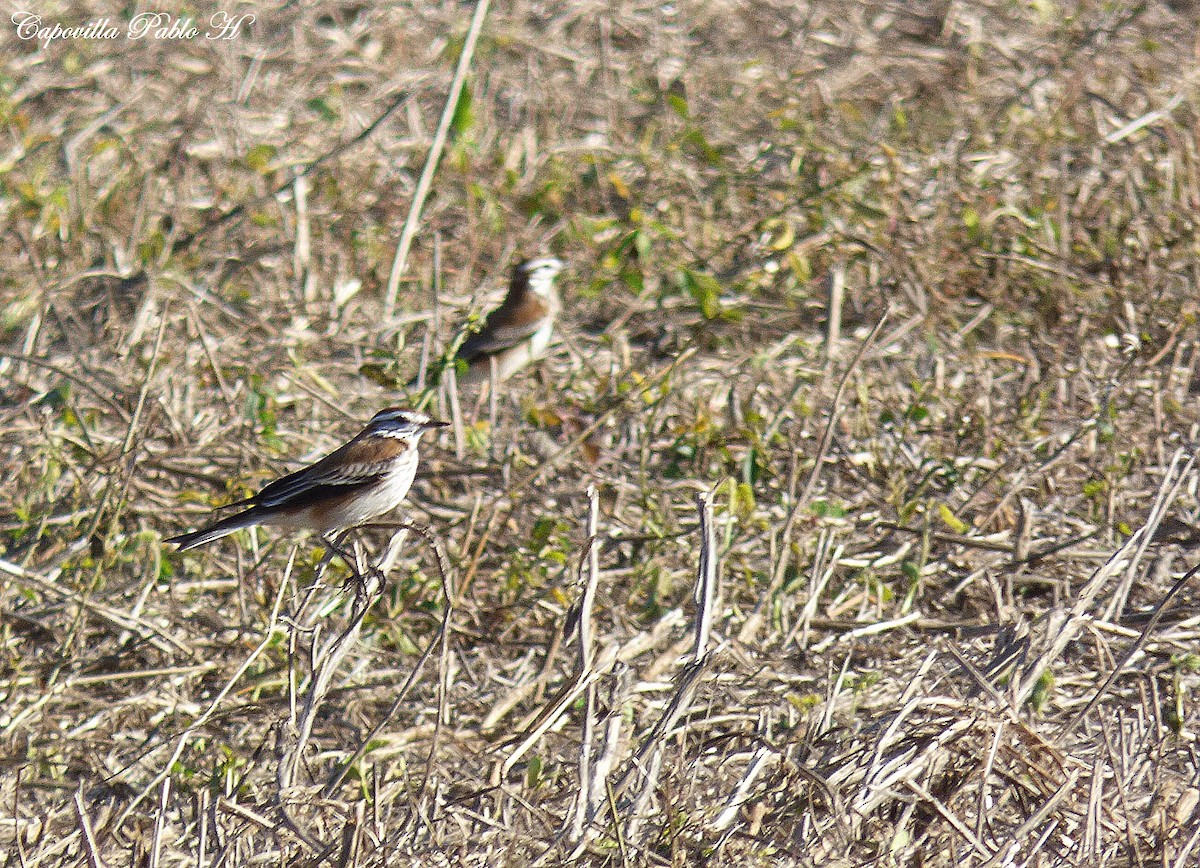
x=539, y=274
x=402, y=424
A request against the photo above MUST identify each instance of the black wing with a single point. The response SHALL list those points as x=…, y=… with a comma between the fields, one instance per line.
x=494, y=339
x=310, y=483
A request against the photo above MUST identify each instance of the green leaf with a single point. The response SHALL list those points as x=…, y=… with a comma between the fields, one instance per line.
x=259, y=158
x=150, y=249
x=743, y=501
x=381, y=374
x=19, y=311
x=641, y=244
x=260, y=407
x=1042, y=691
x=464, y=115
x=951, y=520
x=321, y=107
x=696, y=138
x=55, y=398
x=706, y=290
x=533, y=772
x=540, y=533
x=783, y=231
x=825, y=509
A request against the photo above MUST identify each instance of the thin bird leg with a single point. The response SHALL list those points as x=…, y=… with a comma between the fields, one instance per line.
x=333, y=546
x=356, y=578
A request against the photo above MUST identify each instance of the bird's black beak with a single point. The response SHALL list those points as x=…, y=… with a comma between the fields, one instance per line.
x=435, y=423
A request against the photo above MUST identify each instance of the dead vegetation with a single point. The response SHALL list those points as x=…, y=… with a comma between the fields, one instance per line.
x=903, y=301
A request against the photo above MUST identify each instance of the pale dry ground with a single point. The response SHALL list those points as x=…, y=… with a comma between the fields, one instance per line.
x=932, y=540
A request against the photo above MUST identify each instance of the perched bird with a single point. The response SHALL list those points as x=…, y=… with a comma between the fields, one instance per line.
x=518, y=331
x=367, y=477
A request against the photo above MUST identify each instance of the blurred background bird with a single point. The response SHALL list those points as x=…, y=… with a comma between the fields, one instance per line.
x=519, y=330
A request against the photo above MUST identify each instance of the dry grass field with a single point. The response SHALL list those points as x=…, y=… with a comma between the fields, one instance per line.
x=900, y=298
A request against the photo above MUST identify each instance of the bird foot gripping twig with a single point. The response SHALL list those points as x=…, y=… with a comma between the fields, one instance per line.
x=366, y=579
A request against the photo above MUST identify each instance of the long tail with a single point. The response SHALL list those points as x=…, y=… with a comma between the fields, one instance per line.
x=224, y=527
